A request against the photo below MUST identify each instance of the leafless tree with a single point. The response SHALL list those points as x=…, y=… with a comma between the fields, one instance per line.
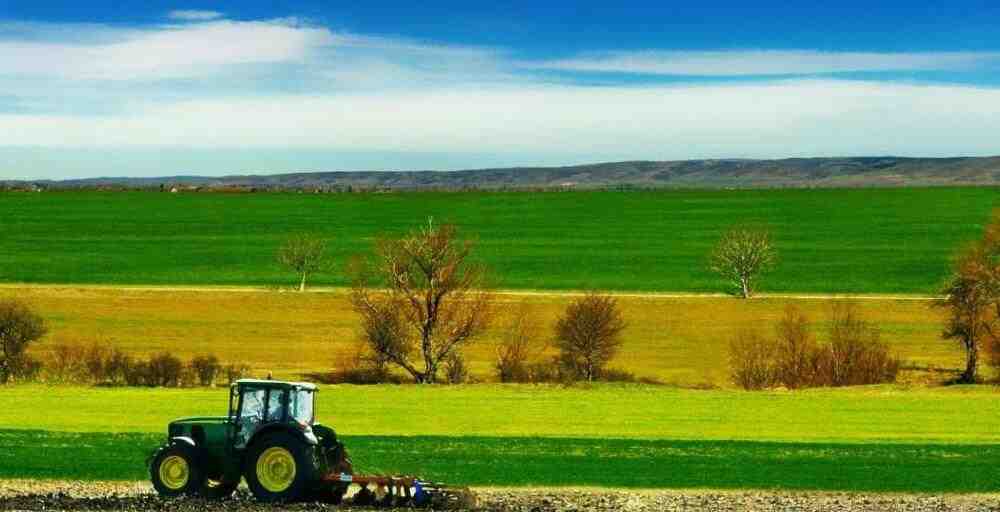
x=797, y=351
x=518, y=345
x=588, y=334
x=742, y=255
x=303, y=254
x=19, y=326
x=973, y=298
x=434, y=301
x=752, y=360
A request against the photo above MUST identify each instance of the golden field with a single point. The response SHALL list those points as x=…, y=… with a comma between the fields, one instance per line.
x=679, y=340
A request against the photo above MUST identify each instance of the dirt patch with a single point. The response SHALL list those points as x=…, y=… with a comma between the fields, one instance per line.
x=104, y=496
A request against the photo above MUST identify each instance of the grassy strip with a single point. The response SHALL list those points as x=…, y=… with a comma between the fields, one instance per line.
x=502, y=461
x=835, y=240
x=880, y=414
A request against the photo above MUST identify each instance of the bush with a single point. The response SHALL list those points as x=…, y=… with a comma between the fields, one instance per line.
x=19, y=327
x=136, y=373
x=235, y=372
x=116, y=367
x=752, y=360
x=67, y=363
x=164, y=370
x=855, y=354
x=206, y=369
x=24, y=368
x=515, y=351
x=588, y=335
x=797, y=354
x=455, y=369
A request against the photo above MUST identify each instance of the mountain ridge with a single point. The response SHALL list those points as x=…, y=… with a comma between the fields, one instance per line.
x=884, y=171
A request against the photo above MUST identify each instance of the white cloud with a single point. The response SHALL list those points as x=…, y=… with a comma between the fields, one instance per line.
x=765, y=62
x=193, y=15
x=764, y=120
x=174, y=51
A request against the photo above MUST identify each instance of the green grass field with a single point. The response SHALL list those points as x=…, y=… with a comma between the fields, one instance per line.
x=850, y=240
x=873, y=439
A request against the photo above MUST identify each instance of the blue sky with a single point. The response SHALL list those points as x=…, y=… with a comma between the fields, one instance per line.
x=161, y=88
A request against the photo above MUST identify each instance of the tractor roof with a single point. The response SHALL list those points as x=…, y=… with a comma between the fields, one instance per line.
x=275, y=384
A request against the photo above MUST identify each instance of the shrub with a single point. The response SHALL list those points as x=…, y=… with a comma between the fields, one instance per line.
x=588, y=335
x=24, y=368
x=515, y=351
x=752, y=360
x=19, y=327
x=206, y=369
x=455, y=369
x=67, y=363
x=137, y=373
x=116, y=366
x=855, y=354
x=796, y=354
x=235, y=372
x=164, y=370
x=95, y=361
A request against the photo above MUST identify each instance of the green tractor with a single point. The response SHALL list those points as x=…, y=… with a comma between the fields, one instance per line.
x=271, y=439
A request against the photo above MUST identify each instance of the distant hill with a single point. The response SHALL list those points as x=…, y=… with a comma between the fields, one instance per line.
x=791, y=172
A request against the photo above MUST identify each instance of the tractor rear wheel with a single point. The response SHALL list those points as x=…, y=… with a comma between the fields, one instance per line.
x=279, y=467
x=175, y=471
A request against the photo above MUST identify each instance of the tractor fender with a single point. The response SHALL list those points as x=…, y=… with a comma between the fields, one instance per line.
x=305, y=437
x=182, y=440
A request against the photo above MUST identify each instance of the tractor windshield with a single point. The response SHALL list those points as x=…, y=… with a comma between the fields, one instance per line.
x=302, y=406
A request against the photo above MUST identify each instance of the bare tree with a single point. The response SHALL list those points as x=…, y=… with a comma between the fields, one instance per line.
x=796, y=350
x=588, y=334
x=19, y=326
x=518, y=344
x=742, y=255
x=434, y=301
x=303, y=254
x=973, y=304
x=752, y=360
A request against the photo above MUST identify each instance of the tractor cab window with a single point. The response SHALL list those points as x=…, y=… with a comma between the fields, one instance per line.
x=275, y=405
x=301, y=409
x=251, y=413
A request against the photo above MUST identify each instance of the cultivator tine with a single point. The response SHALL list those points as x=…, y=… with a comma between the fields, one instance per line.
x=431, y=494
x=406, y=491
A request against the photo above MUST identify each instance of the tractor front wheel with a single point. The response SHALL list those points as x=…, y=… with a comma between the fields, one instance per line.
x=175, y=471
x=279, y=467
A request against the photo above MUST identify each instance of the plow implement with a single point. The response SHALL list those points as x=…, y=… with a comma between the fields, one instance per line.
x=403, y=491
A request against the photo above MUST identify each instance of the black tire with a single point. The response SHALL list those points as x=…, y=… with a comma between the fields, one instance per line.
x=175, y=471
x=218, y=489
x=300, y=476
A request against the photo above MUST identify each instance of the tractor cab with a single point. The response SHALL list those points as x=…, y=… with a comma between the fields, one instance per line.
x=261, y=405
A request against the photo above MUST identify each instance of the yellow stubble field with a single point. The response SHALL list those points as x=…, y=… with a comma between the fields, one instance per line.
x=677, y=340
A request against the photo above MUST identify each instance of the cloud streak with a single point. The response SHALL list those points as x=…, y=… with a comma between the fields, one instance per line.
x=193, y=15
x=764, y=62
x=762, y=120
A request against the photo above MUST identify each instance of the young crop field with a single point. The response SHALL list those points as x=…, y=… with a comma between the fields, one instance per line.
x=678, y=340
x=850, y=240
x=875, y=439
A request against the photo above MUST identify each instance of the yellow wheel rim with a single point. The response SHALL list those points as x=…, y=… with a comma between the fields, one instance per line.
x=276, y=469
x=174, y=472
